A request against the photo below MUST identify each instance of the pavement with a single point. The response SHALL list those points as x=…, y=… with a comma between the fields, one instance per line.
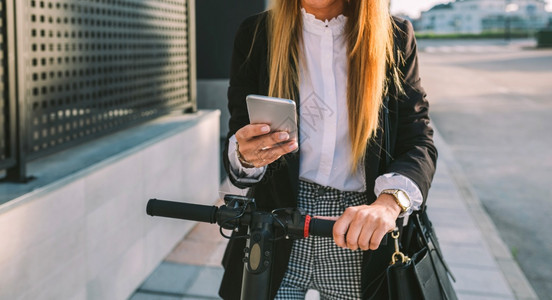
x=483, y=266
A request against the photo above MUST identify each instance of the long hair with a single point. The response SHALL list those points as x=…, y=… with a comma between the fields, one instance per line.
x=284, y=41
x=369, y=38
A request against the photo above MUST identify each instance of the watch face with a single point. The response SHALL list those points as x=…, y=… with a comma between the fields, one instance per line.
x=403, y=199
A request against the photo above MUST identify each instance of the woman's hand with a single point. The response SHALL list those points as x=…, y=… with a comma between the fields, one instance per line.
x=364, y=226
x=259, y=148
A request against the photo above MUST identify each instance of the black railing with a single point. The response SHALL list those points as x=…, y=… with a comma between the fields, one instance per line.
x=87, y=68
x=3, y=107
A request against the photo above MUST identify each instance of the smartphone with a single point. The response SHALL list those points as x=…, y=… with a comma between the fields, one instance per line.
x=279, y=113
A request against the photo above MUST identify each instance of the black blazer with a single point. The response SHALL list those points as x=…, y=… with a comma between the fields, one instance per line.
x=411, y=146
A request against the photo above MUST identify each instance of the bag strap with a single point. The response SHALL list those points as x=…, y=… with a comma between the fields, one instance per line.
x=431, y=247
x=423, y=221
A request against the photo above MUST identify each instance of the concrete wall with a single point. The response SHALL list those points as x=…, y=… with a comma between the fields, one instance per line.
x=87, y=236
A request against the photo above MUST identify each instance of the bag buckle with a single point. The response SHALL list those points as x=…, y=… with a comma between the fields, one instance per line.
x=398, y=255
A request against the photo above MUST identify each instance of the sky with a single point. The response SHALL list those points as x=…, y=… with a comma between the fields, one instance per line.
x=414, y=7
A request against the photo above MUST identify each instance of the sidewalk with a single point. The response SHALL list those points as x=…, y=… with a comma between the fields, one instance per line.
x=481, y=262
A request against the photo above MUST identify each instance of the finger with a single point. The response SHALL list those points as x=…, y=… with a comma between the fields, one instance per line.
x=364, y=239
x=341, y=226
x=272, y=153
x=276, y=151
x=280, y=136
x=250, y=131
x=353, y=234
x=366, y=235
x=377, y=236
x=265, y=157
x=269, y=141
x=263, y=148
x=326, y=218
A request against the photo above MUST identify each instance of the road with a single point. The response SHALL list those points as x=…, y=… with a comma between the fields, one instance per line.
x=492, y=103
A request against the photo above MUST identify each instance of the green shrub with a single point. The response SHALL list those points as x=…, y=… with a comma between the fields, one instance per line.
x=484, y=35
x=544, y=38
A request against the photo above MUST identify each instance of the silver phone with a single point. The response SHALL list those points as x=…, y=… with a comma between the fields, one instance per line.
x=279, y=113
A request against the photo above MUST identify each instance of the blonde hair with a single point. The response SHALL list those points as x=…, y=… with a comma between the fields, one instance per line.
x=284, y=41
x=369, y=38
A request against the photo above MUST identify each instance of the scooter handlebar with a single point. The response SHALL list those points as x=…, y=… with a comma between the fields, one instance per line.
x=180, y=210
x=321, y=227
x=211, y=214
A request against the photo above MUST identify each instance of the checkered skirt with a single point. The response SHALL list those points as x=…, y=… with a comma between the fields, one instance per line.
x=317, y=262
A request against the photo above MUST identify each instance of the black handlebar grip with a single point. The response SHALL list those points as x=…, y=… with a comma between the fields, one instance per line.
x=180, y=210
x=321, y=227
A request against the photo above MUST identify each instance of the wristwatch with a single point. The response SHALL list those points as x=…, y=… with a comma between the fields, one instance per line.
x=401, y=198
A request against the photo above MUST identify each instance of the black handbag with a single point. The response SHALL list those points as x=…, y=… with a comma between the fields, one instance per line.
x=417, y=269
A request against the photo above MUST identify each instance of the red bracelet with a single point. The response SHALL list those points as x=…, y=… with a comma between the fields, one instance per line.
x=307, y=224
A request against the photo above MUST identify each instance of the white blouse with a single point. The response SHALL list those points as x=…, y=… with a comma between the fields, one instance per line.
x=325, y=148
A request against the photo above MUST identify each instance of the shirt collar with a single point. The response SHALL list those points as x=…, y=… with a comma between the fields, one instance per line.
x=312, y=24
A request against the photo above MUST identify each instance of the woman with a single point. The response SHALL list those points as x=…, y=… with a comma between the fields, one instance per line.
x=337, y=59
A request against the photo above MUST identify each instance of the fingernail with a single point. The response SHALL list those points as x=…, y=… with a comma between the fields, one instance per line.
x=283, y=136
x=293, y=146
x=265, y=129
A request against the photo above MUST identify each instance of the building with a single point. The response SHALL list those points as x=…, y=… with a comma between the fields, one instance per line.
x=484, y=16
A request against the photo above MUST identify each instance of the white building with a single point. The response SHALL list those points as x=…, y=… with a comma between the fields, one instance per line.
x=479, y=16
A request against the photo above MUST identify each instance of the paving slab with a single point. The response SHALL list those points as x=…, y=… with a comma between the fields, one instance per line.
x=468, y=256
x=207, y=282
x=171, y=278
x=481, y=280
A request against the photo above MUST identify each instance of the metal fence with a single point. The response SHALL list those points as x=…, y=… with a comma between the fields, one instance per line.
x=85, y=68
x=3, y=119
